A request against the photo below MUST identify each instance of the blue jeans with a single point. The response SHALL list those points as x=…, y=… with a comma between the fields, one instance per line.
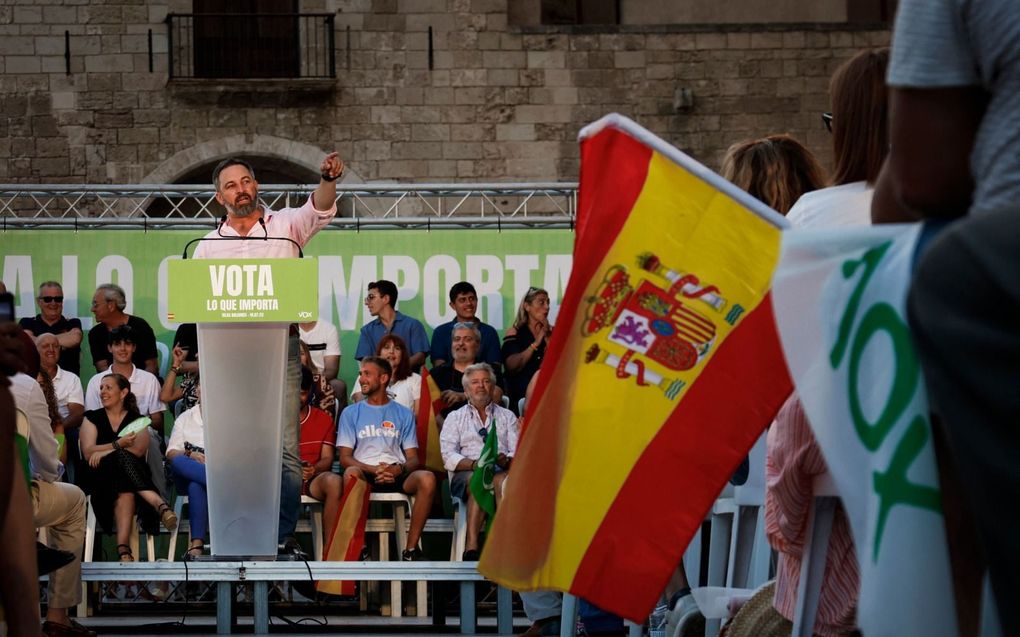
x=290, y=478
x=189, y=476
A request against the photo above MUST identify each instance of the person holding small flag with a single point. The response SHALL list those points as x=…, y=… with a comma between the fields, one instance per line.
x=478, y=442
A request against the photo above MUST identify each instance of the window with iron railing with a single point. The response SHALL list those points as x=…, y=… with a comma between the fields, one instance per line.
x=250, y=45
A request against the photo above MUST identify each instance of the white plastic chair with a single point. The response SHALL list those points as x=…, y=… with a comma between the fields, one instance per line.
x=816, y=546
x=402, y=504
x=90, y=541
x=315, y=513
x=738, y=552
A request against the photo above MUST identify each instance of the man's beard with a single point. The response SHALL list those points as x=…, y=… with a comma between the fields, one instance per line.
x=244, y=210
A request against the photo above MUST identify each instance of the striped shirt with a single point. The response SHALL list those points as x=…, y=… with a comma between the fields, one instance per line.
x=794, y=459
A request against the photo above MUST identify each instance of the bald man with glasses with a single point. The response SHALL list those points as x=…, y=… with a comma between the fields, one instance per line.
x=51, y=320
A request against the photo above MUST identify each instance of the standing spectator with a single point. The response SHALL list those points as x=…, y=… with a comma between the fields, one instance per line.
x=794, y=460
x=860, y=141
x=955, y=100
x=108, y=305
x=238, y=192
x=323, y=343
x=776, y=170
x=381, y=301
x=51, y=320
x=464, y=302
x=525, y=342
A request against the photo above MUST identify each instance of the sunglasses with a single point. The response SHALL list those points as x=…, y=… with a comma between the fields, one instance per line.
x=51, y=299
x=483, y=432
x=827, y=120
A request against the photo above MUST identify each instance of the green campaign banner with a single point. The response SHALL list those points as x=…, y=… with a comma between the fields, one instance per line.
x=242, y=291
x=502, y=265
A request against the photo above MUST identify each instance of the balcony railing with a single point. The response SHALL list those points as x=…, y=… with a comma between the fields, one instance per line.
x=251, y=46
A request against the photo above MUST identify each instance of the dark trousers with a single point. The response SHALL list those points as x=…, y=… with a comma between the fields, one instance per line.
x=964, y=310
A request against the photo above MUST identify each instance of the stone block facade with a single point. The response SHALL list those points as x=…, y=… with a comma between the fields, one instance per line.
x=472, y=100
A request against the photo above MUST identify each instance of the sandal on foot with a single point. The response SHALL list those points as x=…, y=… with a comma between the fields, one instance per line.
x=167, y=517
x=124, y=553
x=193, y=553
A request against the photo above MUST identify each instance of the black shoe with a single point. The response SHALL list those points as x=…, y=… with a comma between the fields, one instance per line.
x=48, y=560
x=412, y=555
x=365, y=554
x=472, y=555
x=291, y=548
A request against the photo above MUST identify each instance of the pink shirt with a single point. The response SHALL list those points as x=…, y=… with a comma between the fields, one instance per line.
x=793, y=461
x=299, y=224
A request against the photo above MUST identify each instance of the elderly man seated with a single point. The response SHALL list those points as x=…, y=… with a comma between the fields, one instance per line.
x=463, y=437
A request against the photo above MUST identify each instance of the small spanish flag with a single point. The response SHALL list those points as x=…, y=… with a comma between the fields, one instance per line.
x=665, y=368
x=430, y=405
x=347, y=537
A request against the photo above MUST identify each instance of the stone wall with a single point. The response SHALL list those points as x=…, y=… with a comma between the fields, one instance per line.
x=499, y=103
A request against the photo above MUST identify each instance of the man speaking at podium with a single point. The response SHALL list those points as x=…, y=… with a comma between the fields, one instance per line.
x=284, y=231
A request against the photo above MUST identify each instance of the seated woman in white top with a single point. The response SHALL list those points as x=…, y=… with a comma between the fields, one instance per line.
x=186, y=454
x=405, y=385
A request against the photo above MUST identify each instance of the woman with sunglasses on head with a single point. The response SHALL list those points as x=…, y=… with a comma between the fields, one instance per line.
x=860, y=142
x=524, y=343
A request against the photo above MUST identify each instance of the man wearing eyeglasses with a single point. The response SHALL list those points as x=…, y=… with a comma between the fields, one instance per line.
x=381, y=302
x=463, y=437
x=51, y=320
x=108, y=305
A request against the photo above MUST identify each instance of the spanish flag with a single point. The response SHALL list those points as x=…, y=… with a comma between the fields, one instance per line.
x=665, y=368
x=430, y=405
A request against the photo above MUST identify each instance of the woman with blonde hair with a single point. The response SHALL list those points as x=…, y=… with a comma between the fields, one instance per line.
x=776, y=170
x=524, y=343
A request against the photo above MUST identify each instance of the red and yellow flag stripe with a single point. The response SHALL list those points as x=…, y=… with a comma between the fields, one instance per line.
x=623, y=455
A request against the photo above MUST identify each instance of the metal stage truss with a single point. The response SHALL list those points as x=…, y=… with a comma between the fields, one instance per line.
x=361, y=206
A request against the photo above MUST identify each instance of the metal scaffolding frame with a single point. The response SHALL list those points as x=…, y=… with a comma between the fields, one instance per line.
x=481, y=205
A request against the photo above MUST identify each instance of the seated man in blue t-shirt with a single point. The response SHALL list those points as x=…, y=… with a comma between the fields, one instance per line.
x=378, y=443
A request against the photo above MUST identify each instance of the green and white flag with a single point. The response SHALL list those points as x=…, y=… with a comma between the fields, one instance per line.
x=481, y=480
x=839, y=297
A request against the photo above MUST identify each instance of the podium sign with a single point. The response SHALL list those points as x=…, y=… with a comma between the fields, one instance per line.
x=243, y=290
x=243, y=309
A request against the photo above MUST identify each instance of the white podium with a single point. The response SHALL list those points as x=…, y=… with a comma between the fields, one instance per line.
x=243, y=309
